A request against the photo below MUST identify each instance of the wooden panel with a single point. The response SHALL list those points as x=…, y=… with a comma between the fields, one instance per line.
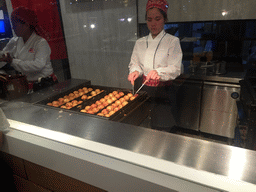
x=25, y=185
x=55, y=181
x=15, y=163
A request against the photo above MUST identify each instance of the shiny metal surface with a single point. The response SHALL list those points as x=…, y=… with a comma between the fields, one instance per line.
x=219, y=110
x=189, y=104
x=230, y=77
x=202, y=155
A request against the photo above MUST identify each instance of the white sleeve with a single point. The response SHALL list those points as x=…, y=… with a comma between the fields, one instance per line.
x=174, y=62
x=10, y=47
x=42, y=53
x=134, y=64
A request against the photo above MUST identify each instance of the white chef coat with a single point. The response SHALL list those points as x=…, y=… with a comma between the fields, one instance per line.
x=163, y=54
x=32, y=58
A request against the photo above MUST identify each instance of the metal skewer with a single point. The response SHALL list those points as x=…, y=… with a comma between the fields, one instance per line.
x=141, y=87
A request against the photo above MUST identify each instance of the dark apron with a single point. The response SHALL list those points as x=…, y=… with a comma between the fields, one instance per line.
x=162, y=104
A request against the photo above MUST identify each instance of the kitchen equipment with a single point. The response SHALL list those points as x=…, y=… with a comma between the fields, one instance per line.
x=137, y=106
x=189, y=95
x=218, y=108
x=248, y=103
x=13, y=86
x=206, y=68
x=220, y=67
x=141, y=86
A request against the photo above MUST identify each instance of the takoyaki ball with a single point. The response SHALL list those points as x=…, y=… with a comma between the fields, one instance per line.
x=106, y=97
x=66, y=100
x=113, y=99
x=93, y=93
x=61, y=100
x=100, y=114
x=69, y=104
x=87, y=108
x=80, y=90
x=118, y=102
x=110, y=108
x=101, y=106
x=66, y=97
x=107, y=115
x=56, y=103
x=89, y=97
x=63, y=107
x=124, y=103
x=95, y=110
x=116, y=109
x=77, y=95
x=97, y=90
x=71, y=95
x=129, y=94
x=85, y=88
x=110, y=95
x=122, y=100
x=104, y=111
x=81, y=93
x=114, y=92
x=83, y=111
x=75, y=92
x=111, y=113
x=105, y=103
x=98, y=102
x=90, y=89
x=126, y=97
x=50, y=104
x=132, y=98
x=93, y=105
x=84, y=97
x=121, y=94
x=102, y=100
x=90, y=112
x=117, y=96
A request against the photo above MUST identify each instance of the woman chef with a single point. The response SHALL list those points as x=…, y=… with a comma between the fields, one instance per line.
x=156, y=59
x=29, y=53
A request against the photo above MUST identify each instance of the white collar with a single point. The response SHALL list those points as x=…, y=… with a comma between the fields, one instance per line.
x=158, y=37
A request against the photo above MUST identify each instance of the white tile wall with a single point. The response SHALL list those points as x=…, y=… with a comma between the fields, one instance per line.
x=203, y=10
x=100, y=54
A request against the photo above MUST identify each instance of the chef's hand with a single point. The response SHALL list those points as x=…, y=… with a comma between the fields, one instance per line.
x=153, y=75
x=7, y=58
x=133, y=76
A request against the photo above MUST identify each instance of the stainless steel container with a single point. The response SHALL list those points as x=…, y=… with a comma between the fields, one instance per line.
x=218, y=108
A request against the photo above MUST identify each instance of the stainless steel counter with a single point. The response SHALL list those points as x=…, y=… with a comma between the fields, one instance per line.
x=200, y=155
x=230, y=77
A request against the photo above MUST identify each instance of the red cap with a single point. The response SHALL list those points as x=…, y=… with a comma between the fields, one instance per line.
x=26, y=15
x=160, y=4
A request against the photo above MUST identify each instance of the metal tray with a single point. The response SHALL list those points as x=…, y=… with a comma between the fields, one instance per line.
x=118, y=115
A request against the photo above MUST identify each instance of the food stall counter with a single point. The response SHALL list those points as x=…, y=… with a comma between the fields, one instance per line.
x=164, y=159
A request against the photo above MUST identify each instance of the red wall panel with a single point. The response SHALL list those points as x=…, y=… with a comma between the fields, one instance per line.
x=49, y=20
